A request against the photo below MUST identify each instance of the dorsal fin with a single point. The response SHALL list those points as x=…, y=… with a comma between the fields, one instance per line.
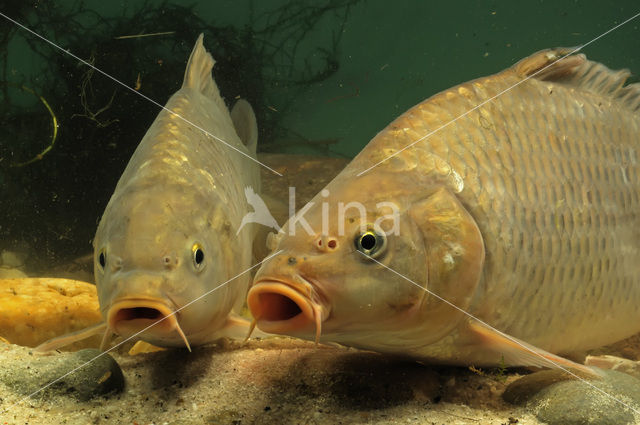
x=197, y=75
x=578, y=71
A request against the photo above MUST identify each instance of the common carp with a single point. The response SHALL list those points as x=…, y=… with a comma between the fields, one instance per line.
x=168, y=234
x=510, y=233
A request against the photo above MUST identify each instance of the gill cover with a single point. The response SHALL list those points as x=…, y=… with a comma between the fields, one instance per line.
x=454, y=253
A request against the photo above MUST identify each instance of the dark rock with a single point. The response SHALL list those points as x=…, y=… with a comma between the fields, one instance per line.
x=558, y=398
x=84, y=374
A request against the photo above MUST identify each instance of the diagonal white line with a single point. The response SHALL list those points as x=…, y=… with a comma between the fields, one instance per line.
x=138, y=333
x=496, y=96
x=510, y=338
x=139, y=94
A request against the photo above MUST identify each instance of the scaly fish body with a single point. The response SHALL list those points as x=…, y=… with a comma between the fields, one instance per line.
x=168, y=234
x=522, y=212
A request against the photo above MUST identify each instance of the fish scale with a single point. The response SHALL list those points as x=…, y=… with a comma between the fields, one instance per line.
x=542, y=223
x=188, y=153
x=520, y=207
x=575, y=141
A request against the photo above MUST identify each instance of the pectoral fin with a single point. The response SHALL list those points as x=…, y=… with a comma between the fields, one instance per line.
x=70, y=338
x=143, y=347
x=630, y=367
x=244, y=121
x=519, y=353
x=279, y=210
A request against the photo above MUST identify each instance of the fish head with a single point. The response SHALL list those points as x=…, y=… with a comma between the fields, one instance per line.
x=155, y=254
x=366, y=274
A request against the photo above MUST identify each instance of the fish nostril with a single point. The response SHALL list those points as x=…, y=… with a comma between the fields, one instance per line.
x=292, y=261
x=170, y=261
x=277, y=307
x=116, y=264
x=325, y=244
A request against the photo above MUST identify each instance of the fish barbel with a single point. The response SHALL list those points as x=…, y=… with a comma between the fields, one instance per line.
x=168, y=233
x=522, y=213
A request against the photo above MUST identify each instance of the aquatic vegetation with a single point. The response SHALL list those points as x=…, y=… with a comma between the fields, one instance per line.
x=99, y=123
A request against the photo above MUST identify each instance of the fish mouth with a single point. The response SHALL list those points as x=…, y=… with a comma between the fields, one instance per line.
x=279, y=307
x=145, y=317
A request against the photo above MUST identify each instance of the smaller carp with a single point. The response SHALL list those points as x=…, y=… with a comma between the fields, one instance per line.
x=169, y=239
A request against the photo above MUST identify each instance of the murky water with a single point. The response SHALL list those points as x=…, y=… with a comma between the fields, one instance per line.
x=323, y=79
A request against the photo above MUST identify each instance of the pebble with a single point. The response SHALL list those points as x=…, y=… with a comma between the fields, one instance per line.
x=27, y=374
x=559, y=399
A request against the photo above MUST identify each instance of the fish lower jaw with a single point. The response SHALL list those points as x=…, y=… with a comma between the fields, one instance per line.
x=142, y=326
x=130, y=317
x=281, y=309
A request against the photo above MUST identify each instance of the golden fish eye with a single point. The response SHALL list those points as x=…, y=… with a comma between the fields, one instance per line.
x=102, y=259
x=198, y=256
x=371, y=243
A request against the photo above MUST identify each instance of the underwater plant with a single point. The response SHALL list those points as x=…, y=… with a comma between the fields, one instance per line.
x=55, y=187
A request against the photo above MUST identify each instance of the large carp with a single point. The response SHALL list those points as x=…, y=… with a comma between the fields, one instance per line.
x=505, y=236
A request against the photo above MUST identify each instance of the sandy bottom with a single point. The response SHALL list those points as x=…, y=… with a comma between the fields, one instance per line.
x=280, y=381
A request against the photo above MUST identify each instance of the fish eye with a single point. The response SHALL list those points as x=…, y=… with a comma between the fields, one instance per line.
x=372, y=242
x=198, y=256
x=102, y=259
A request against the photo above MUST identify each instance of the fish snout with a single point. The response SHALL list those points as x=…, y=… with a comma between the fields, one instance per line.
x=134, y=313
x=289, y=308
x=152, y=319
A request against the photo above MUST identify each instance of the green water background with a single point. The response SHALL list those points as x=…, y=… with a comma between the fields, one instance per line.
x=389, y=55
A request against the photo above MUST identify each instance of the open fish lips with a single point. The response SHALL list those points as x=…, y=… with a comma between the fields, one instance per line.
x=331, y=281
x=178, y=254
